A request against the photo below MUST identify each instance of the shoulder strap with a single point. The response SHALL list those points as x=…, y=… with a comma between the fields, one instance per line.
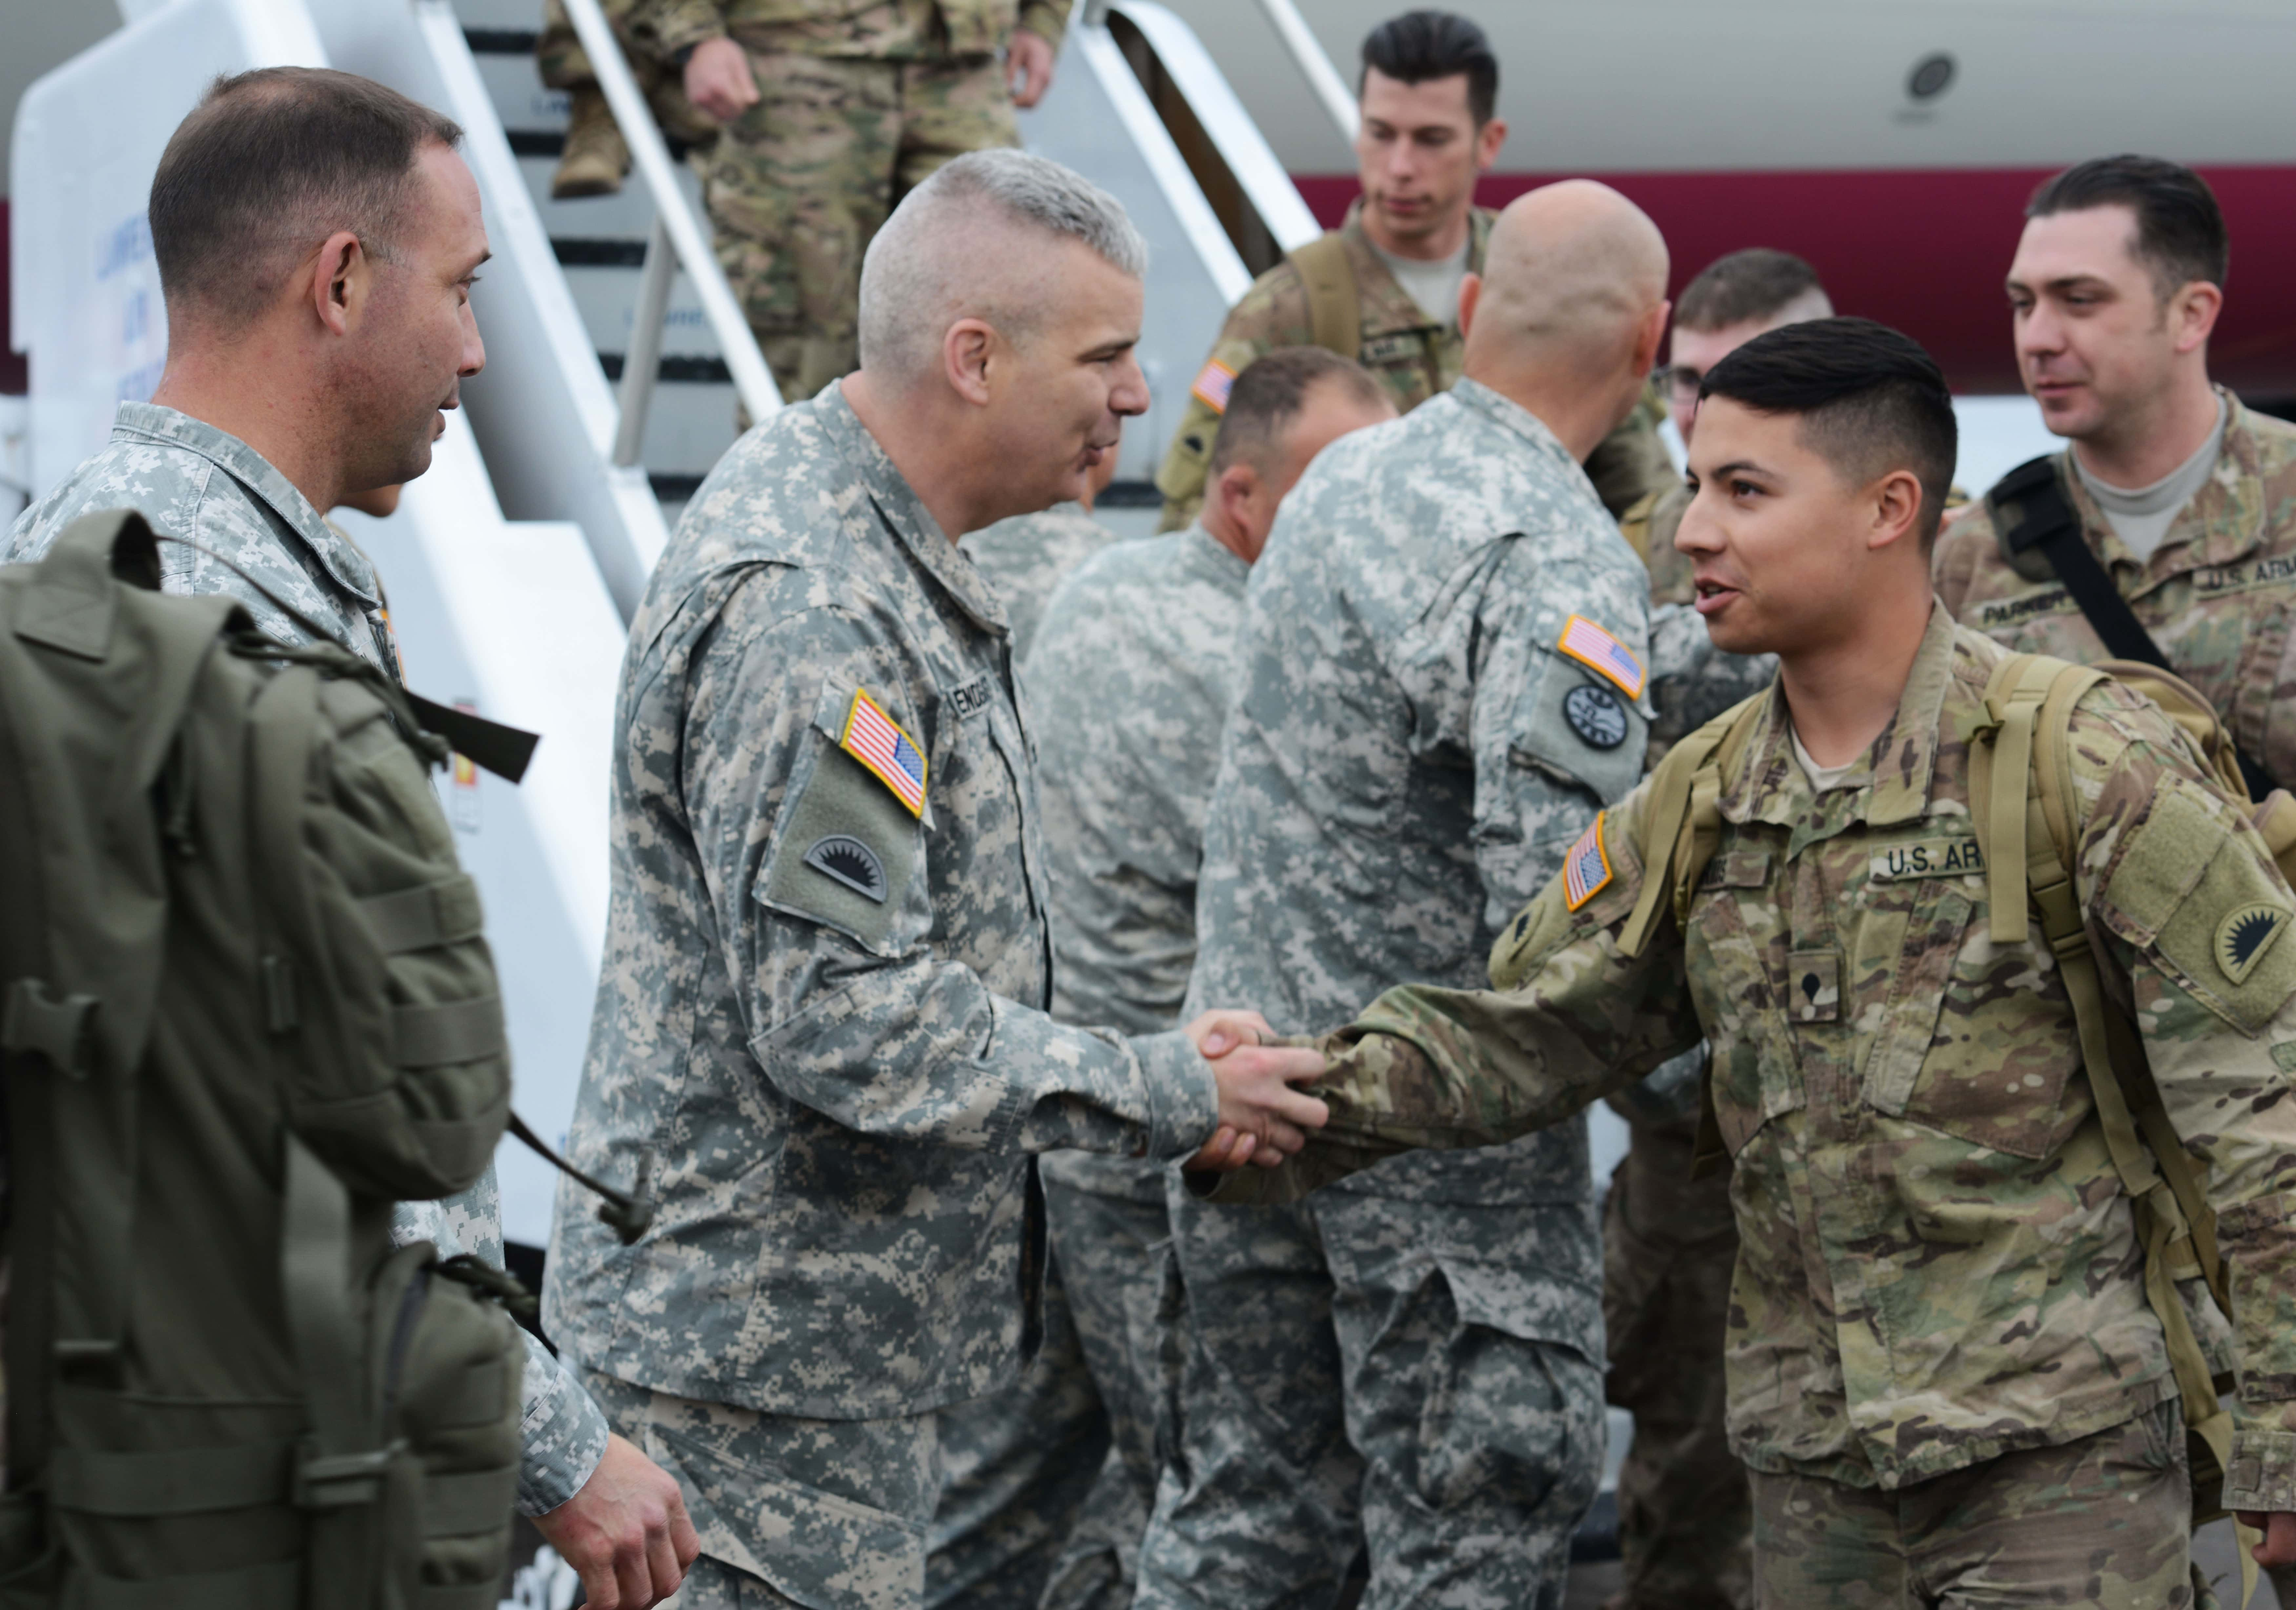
x=2031, y=513
x=1682, y=819
x=1334, y=315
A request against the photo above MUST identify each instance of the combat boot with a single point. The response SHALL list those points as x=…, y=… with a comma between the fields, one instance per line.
x=594, y=159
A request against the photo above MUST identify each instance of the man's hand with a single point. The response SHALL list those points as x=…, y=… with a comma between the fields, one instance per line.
x=718, y=80
x=2278, y=1548
x=626, y=1533
x=1262, y=1118
x=1028, y=66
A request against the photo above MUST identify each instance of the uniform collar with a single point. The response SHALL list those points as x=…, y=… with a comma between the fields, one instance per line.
x=152, y=421
x=1893, y=785
x=1211, y=554
x=2221, y=524
x=904, y=513
x=1387, y=308
x=1511, y=416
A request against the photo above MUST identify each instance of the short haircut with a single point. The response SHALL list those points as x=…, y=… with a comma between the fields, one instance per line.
x=1420, y=47
x=2180, y=229
x=1270, y=393
x=1870, y=401
x=266, y=167
x=913, y=285
x=1747, y=287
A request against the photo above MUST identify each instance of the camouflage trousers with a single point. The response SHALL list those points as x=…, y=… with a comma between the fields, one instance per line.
x=1408, y=1380
x=791, y=1512
x=2102, y=1520
x=1047, y=1489
x=564, y=64
x=1669, y=1245
x=797, y=187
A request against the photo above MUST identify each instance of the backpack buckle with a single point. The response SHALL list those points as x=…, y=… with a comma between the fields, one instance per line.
x=35, y=1022
x=335, y=1481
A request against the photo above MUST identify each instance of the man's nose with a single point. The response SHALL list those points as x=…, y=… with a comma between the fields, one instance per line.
x=1129, y=396
x=474, y=349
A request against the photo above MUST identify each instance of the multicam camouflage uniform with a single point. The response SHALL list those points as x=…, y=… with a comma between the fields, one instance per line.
x=1410, y=1364
x=1411, y=356
x=200, y=485
x=1938, y=1329
x=860, y=101
x=564, y=64
x=1026, y=558
x=2218, y=595
x=819, y=1049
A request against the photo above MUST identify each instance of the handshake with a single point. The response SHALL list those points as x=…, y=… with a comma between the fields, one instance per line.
x=1262, y=1119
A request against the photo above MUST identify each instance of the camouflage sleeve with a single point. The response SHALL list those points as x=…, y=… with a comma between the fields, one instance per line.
x=677, y=24
x=1046, y=18
x=1966, y=537
x=561, y=1431
x=848, y=1010
x=2184, y=898
x=1274, y=313
x=1570, y=1018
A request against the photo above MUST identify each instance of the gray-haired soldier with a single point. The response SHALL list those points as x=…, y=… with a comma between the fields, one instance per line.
x=1050, y=1485
x=820, y=1049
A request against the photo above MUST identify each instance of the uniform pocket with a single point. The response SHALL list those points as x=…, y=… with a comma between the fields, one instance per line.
x=1754, y=1075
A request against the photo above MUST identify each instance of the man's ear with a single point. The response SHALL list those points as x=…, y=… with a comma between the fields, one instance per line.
x=1648, y=334
x=341, y=280
x=1471, y=296
x=1898, y=510
x=2192, y=311
x=965, y=352
x=1489, y=138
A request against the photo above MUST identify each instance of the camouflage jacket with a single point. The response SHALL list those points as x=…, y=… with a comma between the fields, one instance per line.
x=1411, y=356
x=199, y=484
x=1688, y=690
x=1025, y=558
x=1937, y=1263
x=820, y=1048
x=1412, y=745
x=897, y=30
x=2218, y=595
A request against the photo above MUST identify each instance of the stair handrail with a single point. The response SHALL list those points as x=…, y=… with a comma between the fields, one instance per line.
x=1323, y=80
x=675, y=226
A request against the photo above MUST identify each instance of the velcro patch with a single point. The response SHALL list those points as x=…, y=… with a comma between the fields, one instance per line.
x=1213, y=385
x=1605, y=655
x=1586, y=866
x=1957, y=857
x=877, y=741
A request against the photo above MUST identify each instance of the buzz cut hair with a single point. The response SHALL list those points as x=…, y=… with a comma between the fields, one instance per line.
x=266, y=167
x=920, y=275
x=1271, y=392
x=2180, y=229
x=1756, y=285
x=1419, y=47
x=1870, y=401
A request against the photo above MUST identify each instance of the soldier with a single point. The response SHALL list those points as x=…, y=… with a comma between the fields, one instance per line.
x=1445, y=680
x=1668, y=1240
x=2185, y=499
x=1150, y=629
x=317, y=238
x=595, y=158
x=1945, y=1370
x=1026, y=557
x=820, y=1051
x=832, y=111
x=1384, y=286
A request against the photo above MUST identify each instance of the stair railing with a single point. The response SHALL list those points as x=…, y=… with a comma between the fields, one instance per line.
x=1324, y=79
x=678, y=241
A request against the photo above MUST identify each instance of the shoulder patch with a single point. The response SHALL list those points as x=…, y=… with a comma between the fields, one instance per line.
x=1586, y=866
x=1600, y=652
x=876, y=741
x=1594, y=713
x=1213, y=385
x=848, y=860
x=2243, y=937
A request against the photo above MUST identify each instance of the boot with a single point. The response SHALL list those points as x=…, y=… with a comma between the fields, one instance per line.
x=594, y=159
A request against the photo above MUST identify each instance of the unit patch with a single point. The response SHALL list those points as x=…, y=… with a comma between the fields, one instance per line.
x=1592, y=647
x=1586, y=867
x=1596, y=715
x=2243, y=937
x=1213, y=385
x=873, y=738
x=1930, y=858
x=851, y=862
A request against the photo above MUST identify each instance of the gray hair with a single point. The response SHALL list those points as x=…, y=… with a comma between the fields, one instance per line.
x=946, y=254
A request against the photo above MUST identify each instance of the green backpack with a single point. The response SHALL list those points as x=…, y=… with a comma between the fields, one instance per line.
x=245, y=1005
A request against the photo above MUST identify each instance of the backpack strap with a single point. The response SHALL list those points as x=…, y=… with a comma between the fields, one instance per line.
x=1334, y=312
x=1682, y=818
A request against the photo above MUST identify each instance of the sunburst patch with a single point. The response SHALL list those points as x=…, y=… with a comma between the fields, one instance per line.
x=2243, y=937
x=845, y=859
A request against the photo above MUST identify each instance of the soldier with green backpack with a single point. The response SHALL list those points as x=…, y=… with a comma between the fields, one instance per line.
x=1991, y=955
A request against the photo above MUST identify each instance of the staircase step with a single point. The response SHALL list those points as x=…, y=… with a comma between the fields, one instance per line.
x=501, y=41
x=625, y=215
x=605, y=297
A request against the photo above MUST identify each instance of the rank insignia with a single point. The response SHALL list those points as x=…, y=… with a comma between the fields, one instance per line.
x=2243, y=937
x=1605, y=655
x=876, y=741
x=1586, y=867
x=1213, y=385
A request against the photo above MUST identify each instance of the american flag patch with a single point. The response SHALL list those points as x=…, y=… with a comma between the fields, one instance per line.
x=1592, y=647
x=872, y=738
x=1585, y=867
x=1213, y=385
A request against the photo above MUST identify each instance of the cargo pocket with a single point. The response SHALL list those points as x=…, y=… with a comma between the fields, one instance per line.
x=1754, y=1076
x=1171, y=1361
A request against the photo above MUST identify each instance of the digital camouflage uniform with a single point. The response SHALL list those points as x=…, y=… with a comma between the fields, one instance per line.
x=1408, y=1366
x=2218, y=595
x=200, y=485
x=859, y=102
x=1127, y=686
x=1938, y=1332
x=1410, y=355
x=1025, y=559
x=819, y=1049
